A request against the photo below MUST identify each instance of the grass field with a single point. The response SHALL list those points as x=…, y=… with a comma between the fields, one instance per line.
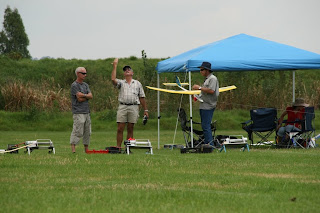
x=262, y=180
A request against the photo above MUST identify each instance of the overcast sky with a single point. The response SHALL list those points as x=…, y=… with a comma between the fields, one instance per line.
x=93, y=29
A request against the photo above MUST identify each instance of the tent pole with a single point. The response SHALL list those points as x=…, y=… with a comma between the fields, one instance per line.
x=158, y=103
x=190, y=103
x=293, y=86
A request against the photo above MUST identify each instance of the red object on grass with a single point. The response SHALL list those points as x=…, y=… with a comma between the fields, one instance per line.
x=97, y=151
x=194, y=98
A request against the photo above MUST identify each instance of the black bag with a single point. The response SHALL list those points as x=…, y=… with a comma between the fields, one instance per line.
x=206, y=148
x=114, y=150
x=12, y=147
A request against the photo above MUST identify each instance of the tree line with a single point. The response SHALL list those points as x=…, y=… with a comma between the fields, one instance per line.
x=14, y=41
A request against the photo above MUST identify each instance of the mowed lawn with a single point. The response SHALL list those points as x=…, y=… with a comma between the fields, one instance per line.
x=262, y=180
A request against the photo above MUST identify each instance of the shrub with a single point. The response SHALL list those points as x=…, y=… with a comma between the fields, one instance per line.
x=46, y=84
x=19, y=96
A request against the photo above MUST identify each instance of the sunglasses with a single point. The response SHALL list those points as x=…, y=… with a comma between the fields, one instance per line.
x=202, y=69
x=83, y=73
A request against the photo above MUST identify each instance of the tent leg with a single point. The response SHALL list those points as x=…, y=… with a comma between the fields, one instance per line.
x=190, y=103
x=158, y=103
x=293, y=86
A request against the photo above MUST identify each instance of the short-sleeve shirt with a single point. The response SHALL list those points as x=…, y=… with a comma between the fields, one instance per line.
x=79, y=107
x=294, y=116
x=130, y=93
x=210, y=100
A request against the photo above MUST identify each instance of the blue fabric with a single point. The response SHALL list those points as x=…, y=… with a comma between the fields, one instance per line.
x=206, y=118
x=264, y=119
x=242, y=53
x=309, y=119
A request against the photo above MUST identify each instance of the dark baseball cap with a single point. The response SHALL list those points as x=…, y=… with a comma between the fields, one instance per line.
x=126, y=67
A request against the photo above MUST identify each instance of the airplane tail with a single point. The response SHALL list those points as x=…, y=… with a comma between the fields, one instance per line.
x=178, y=81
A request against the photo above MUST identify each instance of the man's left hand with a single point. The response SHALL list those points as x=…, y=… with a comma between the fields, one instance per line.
x=196, y=87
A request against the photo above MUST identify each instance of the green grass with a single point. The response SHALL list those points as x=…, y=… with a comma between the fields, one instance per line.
x=105, y=120
x=262, y=180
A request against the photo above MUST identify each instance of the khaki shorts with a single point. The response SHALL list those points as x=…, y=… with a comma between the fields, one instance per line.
x=128, y=113
x=81, y=128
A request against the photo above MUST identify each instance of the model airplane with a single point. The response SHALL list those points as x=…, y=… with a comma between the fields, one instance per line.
x=180, y=85
x=185, y=91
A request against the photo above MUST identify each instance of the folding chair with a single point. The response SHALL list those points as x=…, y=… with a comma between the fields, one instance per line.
x=263, y=123
x=308, y=129
x=303, y=138
x=198, y=137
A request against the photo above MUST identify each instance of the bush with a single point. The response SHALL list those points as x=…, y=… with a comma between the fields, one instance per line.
x=46, y=84
x=19, y=96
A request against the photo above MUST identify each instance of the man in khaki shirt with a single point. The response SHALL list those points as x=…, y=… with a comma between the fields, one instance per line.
x=131, y=95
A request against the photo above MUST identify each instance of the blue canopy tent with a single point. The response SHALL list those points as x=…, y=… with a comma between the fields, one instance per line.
x=239, y=53
x=242, y=53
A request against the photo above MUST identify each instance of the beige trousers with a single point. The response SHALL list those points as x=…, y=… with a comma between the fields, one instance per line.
x=81, y=128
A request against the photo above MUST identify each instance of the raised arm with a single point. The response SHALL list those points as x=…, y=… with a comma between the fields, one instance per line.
x=114, y=72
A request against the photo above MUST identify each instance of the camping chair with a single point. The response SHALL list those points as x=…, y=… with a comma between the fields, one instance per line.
x=263, y=123
x=301, y=139
x=198, y=137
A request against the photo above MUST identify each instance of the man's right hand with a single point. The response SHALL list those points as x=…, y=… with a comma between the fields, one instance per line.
x=115, y=62
x=114, y=71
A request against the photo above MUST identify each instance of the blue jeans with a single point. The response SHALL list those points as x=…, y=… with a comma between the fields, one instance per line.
x=206, y=118
x=289, y=128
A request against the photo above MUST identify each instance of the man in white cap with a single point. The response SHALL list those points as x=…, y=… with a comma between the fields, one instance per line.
x=131, y=95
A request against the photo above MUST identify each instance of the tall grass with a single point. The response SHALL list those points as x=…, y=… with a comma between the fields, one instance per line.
x=19, y=96
x=45, y=84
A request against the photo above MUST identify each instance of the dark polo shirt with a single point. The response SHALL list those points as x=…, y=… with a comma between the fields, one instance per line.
x=79, y=107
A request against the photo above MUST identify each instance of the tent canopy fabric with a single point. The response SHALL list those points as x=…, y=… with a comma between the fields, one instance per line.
x=242, y=53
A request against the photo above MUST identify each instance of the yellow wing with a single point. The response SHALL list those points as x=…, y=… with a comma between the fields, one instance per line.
x=224, y=89
x=175, y=84
x=190, y=92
